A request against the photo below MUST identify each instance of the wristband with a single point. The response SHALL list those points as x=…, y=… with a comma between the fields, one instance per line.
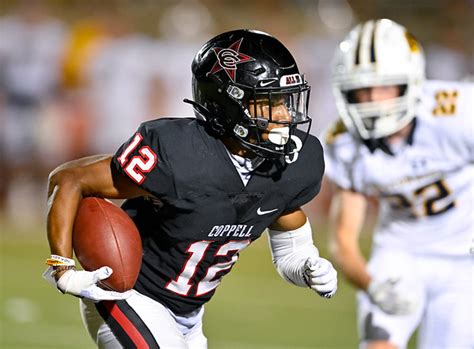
x=56, y=260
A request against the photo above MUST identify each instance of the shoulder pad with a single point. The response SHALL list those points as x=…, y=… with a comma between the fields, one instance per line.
x=335, y=130
x=447, y=98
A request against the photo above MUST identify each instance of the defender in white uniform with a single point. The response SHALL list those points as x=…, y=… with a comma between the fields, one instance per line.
x=410, y=144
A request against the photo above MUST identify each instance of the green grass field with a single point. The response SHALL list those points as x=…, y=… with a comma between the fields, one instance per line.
x=252, y=308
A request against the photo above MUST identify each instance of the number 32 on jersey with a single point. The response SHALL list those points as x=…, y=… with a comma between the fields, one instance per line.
x=137, y=167
x=430, y=196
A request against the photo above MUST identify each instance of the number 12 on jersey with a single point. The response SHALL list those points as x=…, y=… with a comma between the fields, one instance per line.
x=197, y=251
x=138, y=165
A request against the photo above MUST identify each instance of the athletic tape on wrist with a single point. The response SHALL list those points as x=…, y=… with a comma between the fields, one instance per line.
x=290, y=252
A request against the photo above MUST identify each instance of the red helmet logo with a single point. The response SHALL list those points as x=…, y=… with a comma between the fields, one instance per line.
x=228, y=58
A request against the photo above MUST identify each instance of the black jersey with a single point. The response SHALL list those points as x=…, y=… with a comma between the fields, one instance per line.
x=204, y=215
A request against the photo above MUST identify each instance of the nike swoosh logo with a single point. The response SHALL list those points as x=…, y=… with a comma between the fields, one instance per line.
x=260, y=212
x=266, y=83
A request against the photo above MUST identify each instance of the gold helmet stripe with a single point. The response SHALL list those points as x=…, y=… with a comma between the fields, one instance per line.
x=412, y=42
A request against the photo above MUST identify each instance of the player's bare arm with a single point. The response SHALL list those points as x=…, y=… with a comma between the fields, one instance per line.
x=69, y=183
x=348, y=209
x=289, y=220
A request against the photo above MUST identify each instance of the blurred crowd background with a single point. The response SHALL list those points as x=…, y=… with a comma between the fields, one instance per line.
x=78, y=76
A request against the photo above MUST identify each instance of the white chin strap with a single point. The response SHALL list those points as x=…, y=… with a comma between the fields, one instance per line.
x=279, y=135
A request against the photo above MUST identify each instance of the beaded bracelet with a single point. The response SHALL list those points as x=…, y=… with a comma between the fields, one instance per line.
x=60, y=268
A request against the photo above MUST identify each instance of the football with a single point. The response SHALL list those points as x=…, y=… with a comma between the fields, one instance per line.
x=104, y=235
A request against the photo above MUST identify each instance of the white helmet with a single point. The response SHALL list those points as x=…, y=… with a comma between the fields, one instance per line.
x=378, y=53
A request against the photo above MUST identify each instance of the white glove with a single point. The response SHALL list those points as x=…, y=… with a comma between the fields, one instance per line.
x=320, y=276
x=391, y=299
x=83, y=284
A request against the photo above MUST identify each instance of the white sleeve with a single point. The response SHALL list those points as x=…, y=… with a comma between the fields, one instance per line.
x=290, y=250
x=451, y=105
x=337, y=171
x=339, y=151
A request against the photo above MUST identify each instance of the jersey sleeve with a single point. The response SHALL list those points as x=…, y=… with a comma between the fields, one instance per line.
x=304, y=196
x=451, y=104
x=337, y=153
x=143, y=159
x=337, y=171
x=310, y=172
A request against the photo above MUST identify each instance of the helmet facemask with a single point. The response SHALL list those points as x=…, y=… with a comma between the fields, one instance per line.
x=377, y=119
x=271, y=118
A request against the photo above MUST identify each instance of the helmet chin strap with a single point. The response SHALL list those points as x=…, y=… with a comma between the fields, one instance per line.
x=201, y=110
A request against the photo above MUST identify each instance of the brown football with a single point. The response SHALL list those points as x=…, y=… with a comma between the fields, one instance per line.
x=104, y=235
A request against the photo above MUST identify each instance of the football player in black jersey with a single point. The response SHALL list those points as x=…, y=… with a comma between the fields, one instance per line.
x=200, y=190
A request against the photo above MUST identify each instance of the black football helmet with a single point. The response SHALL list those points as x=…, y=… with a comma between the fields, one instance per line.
x=239, y=69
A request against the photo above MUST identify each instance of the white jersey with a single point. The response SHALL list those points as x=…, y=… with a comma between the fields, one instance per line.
x=426, y=190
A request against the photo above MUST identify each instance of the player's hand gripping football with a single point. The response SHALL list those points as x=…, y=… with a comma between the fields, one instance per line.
x=320, y=276
x=390, y=298
x=83, y=284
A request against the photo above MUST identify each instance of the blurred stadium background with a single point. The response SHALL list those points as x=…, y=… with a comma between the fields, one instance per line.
x=78, y=76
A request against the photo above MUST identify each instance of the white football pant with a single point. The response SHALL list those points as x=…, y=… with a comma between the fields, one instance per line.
x=443, y=287
x=141, y=322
